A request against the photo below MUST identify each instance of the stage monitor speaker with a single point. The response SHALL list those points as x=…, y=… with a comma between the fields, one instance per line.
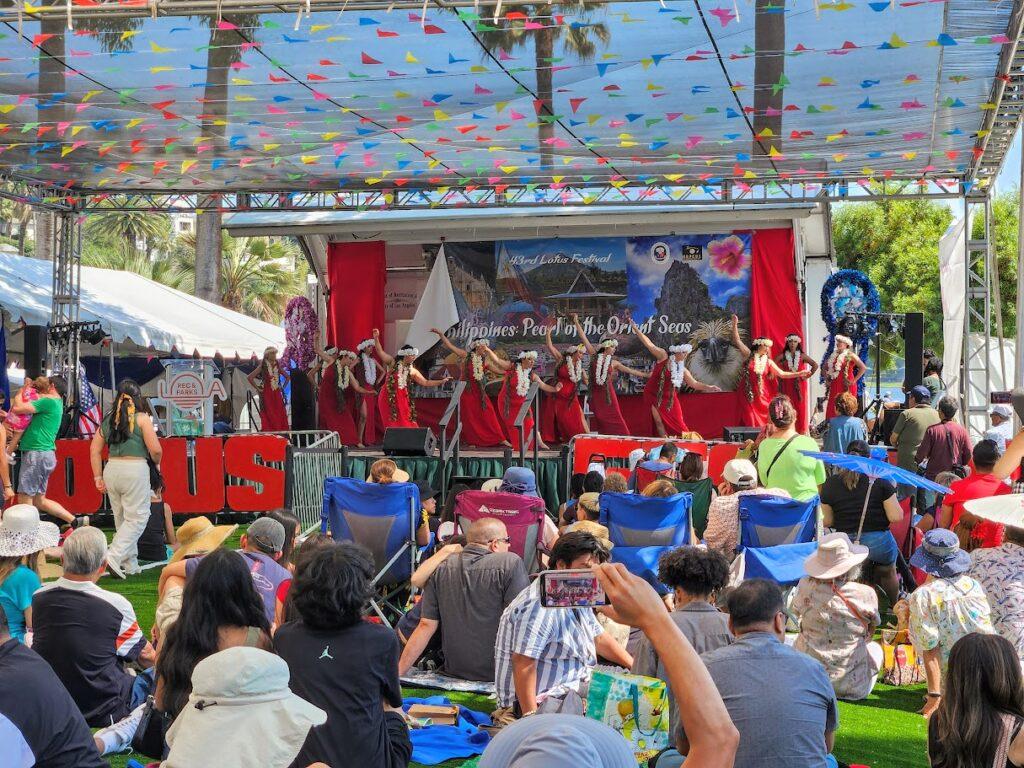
x=889, y=417
x=740, y=434
x=409, y=441
x=35, y=350
x=913, y=347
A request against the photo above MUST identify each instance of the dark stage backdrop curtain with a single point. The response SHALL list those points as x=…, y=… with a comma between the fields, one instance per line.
x=775, y=309
x=356, y=273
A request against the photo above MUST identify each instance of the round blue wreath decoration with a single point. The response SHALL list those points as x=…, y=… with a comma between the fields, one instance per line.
x=849, y=290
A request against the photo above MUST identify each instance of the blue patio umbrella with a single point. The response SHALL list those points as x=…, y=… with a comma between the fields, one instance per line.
x=874, y=470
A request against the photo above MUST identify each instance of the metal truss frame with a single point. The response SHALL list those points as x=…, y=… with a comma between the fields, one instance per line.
x=978, y=264
x=64, y=336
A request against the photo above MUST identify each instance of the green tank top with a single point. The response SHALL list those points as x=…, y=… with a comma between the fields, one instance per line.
x=134, y=446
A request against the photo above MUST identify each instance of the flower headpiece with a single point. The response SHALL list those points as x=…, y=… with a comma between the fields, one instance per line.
x=268, y=350
x=793, y=337
x=845, y=339
x=676, y=348
x=532, y=354
x=608, y=344
x=480, y=343
x=762, y=341
x=344, y=353
x=331, y=351
x=364, y=345
x=574, y=349
x=406, y=351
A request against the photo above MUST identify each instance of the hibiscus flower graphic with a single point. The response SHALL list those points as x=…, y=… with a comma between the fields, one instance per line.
x=728, y=258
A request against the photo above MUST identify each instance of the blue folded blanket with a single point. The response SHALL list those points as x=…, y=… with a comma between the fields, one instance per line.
x=437, y=743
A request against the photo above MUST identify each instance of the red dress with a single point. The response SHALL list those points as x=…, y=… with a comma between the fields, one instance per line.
x=660, y=393
x=755, y=394
x=604, y=402
x=566, y=419
x=333, y=406
x=370, y=435
x=403, y=413
x=796, y=390
x=274, y=416
x=480, y=424
x=844, y=382
x=509, y=403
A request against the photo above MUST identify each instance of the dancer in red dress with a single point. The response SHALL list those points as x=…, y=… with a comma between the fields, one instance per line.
x=565, y=418
x=481, y=426
x=266, y=379
x=841, y=371
x=757, y=385
x=364, y=408
x=793, y=359
x=604, y=369
x=394, y=402
x=333, y=395
x=667, y=376
x=518, y=378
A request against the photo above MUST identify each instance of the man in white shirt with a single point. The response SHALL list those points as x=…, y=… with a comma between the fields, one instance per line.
x=1001, y=431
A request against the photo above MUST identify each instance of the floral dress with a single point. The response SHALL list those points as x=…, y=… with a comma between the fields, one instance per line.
x=944, y=610
x=836, y=623
x=1000, y=571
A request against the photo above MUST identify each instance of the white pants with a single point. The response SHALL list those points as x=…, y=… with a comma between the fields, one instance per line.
x=128, y=489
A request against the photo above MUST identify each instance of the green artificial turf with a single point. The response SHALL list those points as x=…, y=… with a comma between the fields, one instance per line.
x=882, y=731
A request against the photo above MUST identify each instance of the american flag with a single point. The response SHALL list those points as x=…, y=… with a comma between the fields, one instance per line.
x=90, y=414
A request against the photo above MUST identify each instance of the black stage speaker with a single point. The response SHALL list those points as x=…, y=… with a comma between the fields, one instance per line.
x=913, y=346
x=409, y=441
x=889, y=416
x=740, y=434
x=35, y=350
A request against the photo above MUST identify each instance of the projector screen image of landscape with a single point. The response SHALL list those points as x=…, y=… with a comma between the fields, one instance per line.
x=678, y=288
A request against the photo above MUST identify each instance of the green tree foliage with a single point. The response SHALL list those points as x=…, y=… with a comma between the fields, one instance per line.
x=132, y=231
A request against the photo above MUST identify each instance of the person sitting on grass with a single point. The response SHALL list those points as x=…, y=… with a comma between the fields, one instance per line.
x=663, y=466
x=696, y=577
x=86, y=634
x=543, y=657
x=980, y=484
x=465, y=597
x=949, y=605
x=978, y=721
x=780, y=700
x=40, y=724
x=344, y=665
x=739, y=479
x=614, y=483
x=590, y=512
x=1000, y=570
x=23, y=537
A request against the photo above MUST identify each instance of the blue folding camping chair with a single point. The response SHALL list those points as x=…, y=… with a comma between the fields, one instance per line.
x=776, y=535
x=382, y=518
x=641, y=528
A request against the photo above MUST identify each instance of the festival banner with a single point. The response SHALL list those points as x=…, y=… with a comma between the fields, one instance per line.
x=678, y=289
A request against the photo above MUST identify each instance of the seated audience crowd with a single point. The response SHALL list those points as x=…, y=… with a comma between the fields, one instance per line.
x=271, y=655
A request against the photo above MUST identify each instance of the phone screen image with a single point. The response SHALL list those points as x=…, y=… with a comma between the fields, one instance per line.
x=570, y=589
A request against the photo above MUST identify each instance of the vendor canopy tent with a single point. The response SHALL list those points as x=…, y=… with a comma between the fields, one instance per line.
x=136, y=310
x=540, y=96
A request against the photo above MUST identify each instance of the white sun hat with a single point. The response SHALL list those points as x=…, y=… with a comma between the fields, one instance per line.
x=22, y=532
x=1006, y=510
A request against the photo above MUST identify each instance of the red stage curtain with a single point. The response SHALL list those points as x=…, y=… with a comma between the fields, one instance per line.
x=356, y=273
x=775, y=309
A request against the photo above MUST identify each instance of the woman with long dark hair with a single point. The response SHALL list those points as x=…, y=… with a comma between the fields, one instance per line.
x=266, y=379
x=604, y=370
x=333, y=391
x=220, y=609
x=761, y=377
x=395, y=403
x=565, y=419
x=130, y=437
x=978, y=721
x=794, y=359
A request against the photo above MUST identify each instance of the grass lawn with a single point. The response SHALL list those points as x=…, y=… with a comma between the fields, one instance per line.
x=882, y=732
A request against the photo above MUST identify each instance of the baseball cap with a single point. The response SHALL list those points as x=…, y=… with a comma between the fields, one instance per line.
x=267, y=534
x=1002, y=410
x=740, y=472
x=921, y=393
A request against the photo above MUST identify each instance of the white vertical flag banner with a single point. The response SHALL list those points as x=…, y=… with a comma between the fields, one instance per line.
x=952, y=277
x=437, y=307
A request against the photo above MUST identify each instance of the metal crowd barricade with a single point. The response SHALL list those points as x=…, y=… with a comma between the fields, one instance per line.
x=531, y=401
x=313, y=439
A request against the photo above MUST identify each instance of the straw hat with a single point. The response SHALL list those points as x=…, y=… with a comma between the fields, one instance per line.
x=22, y=532
x=197, y=536
x=400, y=476
x=1006, y=510
x=835, y=555
x=591, y=502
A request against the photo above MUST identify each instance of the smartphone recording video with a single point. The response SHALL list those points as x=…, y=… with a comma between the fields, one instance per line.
x=571, y=589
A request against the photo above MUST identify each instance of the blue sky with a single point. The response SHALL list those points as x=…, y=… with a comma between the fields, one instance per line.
x=1009, y=176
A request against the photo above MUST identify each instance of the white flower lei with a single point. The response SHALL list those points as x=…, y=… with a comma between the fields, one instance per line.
x=575, y=369
x=477, y=363
x=403, y=375
x=760, y=364
x=369, y=369
x=274, y=376
x=344, y=375
x=678, y=368
x=522, y=381
x=793, y=360
x=835, y=364
x=604, y=364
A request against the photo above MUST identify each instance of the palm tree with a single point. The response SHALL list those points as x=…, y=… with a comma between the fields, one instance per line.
x=16, y=215
x=131, y=228
x=128, y=259
x=578, y=41
x=258, y=275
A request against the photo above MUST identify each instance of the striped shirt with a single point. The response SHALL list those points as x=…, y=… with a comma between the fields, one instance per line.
x=560, y=639
x=85, y=633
